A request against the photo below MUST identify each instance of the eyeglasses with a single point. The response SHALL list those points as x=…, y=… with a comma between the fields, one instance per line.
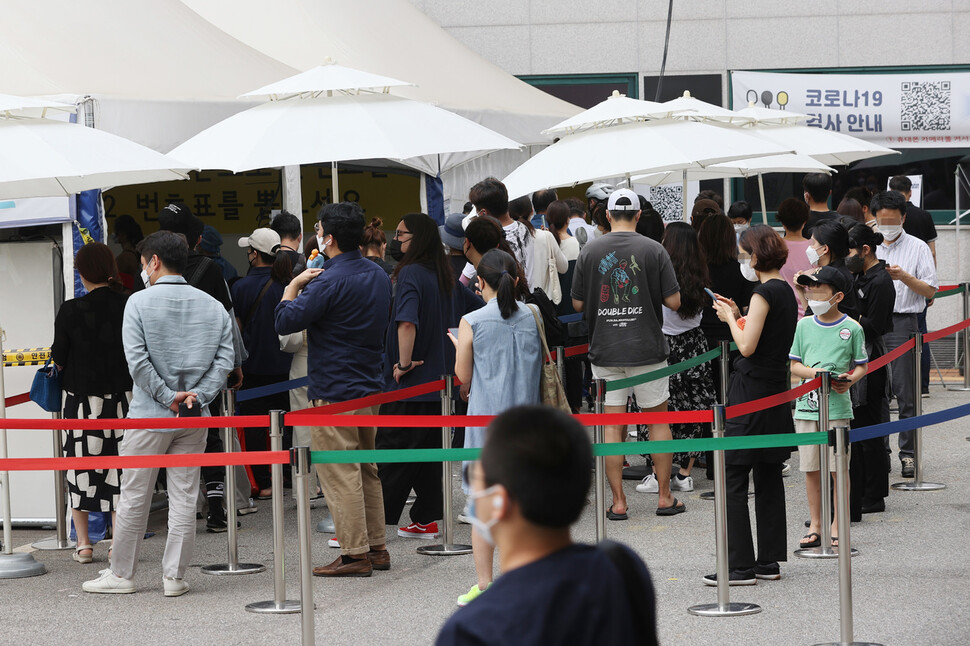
x=398, y=234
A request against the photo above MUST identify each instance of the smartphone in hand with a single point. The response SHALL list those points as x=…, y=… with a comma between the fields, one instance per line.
x=195, y=411
x=711, y=294
x=453, y=331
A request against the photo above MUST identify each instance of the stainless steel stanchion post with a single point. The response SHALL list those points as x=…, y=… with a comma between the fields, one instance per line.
x=825, y=550
x=12, y=566
x=447, y=547
x=233, y=566
x=599, y=486
x=300, y=461
x=560, y=362
x=279, y=604
x=917, y=484
x=845, y=561
x=723, y=607
x=60, y=540
x=724, y=365
x=966, y=344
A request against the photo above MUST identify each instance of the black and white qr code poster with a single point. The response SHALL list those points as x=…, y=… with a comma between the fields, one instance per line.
x=911, y=110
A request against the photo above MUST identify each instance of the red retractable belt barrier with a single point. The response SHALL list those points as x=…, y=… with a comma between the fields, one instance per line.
x=147, y=461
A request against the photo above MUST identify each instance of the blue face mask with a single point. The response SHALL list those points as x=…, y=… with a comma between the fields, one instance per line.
x=484, y=529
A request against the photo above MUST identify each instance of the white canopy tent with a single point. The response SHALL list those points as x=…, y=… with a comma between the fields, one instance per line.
x=160, y=71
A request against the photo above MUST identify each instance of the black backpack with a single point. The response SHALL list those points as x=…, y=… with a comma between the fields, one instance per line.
x=555, y=329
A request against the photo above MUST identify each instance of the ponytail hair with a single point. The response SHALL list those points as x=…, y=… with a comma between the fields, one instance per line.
x=499, y=271
x=862, y=236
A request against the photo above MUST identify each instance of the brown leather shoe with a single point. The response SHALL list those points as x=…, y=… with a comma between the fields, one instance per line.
x=379, y=560
x=360, y=567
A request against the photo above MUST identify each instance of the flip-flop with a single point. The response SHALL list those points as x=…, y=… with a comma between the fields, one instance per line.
x=815, y=542
x=612, y=515
x=676, y=508
x=835, y=541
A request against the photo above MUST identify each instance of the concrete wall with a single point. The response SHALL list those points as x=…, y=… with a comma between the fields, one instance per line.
x=707, y=36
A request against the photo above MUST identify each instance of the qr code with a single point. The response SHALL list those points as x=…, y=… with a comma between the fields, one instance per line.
x=668, y=202
x=925, y=105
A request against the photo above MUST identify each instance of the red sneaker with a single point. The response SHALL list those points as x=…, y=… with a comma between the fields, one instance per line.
x=417, y=530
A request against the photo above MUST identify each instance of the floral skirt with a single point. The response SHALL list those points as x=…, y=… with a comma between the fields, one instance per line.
x=93, y=489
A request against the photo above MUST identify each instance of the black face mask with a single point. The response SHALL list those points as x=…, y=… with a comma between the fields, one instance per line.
x=855, y=264
x=394, y=249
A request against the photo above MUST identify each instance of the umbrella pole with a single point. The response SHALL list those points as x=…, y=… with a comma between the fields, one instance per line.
x=334, y=184
x=684, y=191
x=761, y=192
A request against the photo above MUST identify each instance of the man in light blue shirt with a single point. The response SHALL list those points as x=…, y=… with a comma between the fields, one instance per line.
x=178, y=343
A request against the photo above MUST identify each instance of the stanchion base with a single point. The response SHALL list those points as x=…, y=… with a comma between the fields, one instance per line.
x=958, y=389
x=918, y=486
x=849, y=644
x=240, y=568
x=272, y=608
x=452, y=549
x=820, y=553
x=19, y=566
x=732, y=609
x=53, y=544
x=326, y=526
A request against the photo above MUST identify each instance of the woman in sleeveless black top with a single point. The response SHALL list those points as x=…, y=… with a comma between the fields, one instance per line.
x=761, y=371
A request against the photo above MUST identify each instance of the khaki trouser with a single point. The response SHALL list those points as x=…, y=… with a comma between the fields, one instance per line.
x=136, y=499
x=353, y=491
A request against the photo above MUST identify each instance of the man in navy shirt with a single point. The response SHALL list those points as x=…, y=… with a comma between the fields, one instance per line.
x=528, y=488
x=344, y=307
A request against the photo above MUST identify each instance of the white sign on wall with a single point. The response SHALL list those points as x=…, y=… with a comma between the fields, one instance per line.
x=912, y=110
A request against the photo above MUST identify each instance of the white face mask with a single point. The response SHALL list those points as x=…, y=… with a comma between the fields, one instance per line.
x=813, y=256
x=144, y=279
x=741, y=228
x=890, y=231
x=484, y=529
x=748, y=271
x=819, y=308
x=320, y=244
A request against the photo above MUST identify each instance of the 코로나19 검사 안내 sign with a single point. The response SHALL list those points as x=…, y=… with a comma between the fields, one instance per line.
x=911, y=110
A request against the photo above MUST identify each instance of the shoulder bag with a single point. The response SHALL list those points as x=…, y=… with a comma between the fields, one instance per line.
x=45, y=391
x=551, y=391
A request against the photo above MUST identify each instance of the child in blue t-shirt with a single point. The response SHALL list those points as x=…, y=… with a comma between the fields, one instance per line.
x=828, y=341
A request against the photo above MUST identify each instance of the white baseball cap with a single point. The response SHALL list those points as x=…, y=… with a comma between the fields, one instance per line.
x=263, y=239
x=620, y=193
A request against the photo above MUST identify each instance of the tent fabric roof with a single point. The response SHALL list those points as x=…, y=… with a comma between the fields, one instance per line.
x=206, y=53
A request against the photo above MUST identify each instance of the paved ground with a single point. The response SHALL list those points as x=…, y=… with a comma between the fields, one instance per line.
x=911, y=581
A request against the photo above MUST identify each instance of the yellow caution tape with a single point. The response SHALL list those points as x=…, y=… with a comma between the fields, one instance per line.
x=26, y=357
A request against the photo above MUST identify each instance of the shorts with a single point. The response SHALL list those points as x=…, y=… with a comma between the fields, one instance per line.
x=653, y=393
x=808, y=454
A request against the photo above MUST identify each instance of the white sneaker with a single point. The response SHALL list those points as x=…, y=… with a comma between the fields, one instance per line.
x=174, y=587
x=786, y=470
x=333, y=543
x=251, y=508
x=108, y=583
x=649, y=485
x=685, y=484
x=463, y=517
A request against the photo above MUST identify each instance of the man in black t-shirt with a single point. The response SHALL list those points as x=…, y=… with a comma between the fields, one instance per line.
x=529, y=487
x=291, y=239
x=818, y=188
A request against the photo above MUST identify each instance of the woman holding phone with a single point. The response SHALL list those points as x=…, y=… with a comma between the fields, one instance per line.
x=762, y=370
x=427, y=301
x=499, y=352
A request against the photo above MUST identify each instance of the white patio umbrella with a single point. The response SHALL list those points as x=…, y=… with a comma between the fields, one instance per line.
x=829, y=147
x=47, y=158
x=328, y=115
x=634, y=149
x=745, y=168
x=617, y=109
x=687, y=107
x=22, y=106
